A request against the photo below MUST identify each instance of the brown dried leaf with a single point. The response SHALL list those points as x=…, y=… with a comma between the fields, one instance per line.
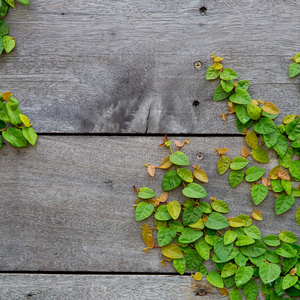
x=151, y=170
x=244, y=152
x=163, y=263
x=147, y=236
x=196, y=167
x=266, y=182
x=223, y=117
x=274, y=172
x=165, y=139
x=244, y=131
x=257, y=215
x=270, y=108
x=223, y=151
x=6, y=96
x=224, y=292
x=179, y=144
x=231, y=107
x=166, y=163
x=201, y=175
x=254, y=102
x=293, y=271
x=146, y=250
x=204, y=219
x=163, y=197
x=282, y=174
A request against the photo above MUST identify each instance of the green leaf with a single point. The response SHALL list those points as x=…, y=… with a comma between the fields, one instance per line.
x=241, y=259
x=3, y=112
x=239, y=163
x=25, y=2
x=296, y=144
x=220, y=94
x=216, y=221
x=185, y=174
x=243, y=84
x=285, y=250
x=251, y=139
x=269, y=272
x=193, y=259
x=272, y=257
x=165, y=235
x=221, y=250
x=235, y=178
x=3, y=10
x=289, y=281
x=10, y=2
x=237, y=222
x=203, y=248
x=223, y=164
x=194, y=190
x=277, y=186
x=227, y=85
x=220, y=206
x=241, y=126
x=271, y=139
x=284, y=203
x=4, y=30
x=8, y=43
x=14, y=116
x=229, y=74
x=260, y=155
x=259, y=193
x=179, y=158
x=232, y=255
x=174, y=209
x=251, y=290
x=228, y=270
x=271, y=240
x=244, y=240
x=15, y=137
x=180, y=265
x=146, y=193
x=254, y=173
x=246, y=219
x=176, y=225
x=191, y=215
x=13, y=104
x=162, y=213
x=293, y=129
x=143, y=211
x=214, y=278
x=243, y=275
x=286, y=160
x=254, y=250
x=240, y=97
x=171, y=181
x=298, y=216
x=281, y=145
x=289, y=263
x=211, y=73
x=235, y=295
x=189, y=235
x=294, y=69
x=287, y=185
x=229, y=237
x=295, y=169
x=253, y=232
x=241, y=113
x=29, y=135
x=205, y=207
x=171, y=251
x=288, y=237
x=198, y=225
x=295, y=192
x=264, y=126
x=254, y=111
x=202, y=269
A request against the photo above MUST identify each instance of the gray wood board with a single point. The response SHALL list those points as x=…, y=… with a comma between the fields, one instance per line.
x=139, y=287
x=127, y=66
x=66, y=204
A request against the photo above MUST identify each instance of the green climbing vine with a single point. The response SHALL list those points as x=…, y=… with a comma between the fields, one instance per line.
x=191, y=231
x=7, y=43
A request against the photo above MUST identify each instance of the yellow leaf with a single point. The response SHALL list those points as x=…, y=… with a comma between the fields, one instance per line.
x=231, y=107
x=244, y=152
x=252, y=140
x=147, y=236
x=274, y=172
x=171, y=251
x=197, y=276
x=254, y=102
x=201, y=175
x=151, y=170
x=282, y=174
x=257, y=215
x=163, y=263
x=223, y=117
x=166, y=163
x=196, y=167
x=218, y=66
x=288, y=119
x=198, y=225
x=174, y=209
x=271, y=108
x=244, y=131
x=6, y=96
x=224, y=292
x=146, y=250
x=236, y=222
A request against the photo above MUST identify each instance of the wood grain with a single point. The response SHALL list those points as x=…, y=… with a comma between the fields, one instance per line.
x=127, y=66
x=66, y=204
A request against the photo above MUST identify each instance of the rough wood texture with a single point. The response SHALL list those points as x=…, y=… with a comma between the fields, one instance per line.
x=126, y=66
x=146, y=287
x=67, y=202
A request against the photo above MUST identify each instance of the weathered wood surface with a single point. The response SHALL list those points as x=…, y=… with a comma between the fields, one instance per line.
x=86, y=287
x=127, y=66
x=67, y=202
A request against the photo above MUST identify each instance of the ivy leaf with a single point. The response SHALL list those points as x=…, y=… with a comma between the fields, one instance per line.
x=235, y=178
x=180, y=265
x=228, y=270
x=270, y=108
x=288, y=237
x=288, y=119
x=223, y=164
x=237, y=222
x=229, y=74
x=14, y=115
x=269, y=272
x=235, y=295
x=251, y=139
x=293, y=129
x=243, y=84
x=214, y=278
x=253, y=232
x=189, y=235
x=4, y=30
x=254, y=173
x=242, y=127
x=194, y=190
x=229, y=237
x=162, y=213
x=221, y=250
x=251, y=290
x=171, y=181
x=174, y=209
x=165, y=235
x=185, y=174
x=240, y=97
x=271, y=240
x=143, y=211
x=201, y=175
x=243, y=275
x=260, y=155
x=272, y=257
x=298, y=216
x=285, y=250
x=284, y=203
x=287, y=185
x=294, y=69
x=8, y=43
x=239, y=163
x=191, y=215
x=289, y=281
x=254, y=111
x=241, y=113
x=171, y=251
x=3, y=11
x=15, y=137
x=281, y=145
x=227, y=85
x=30, y=135
x=220, y=94
x=254, y=250
x=216, y=221
x=295, y=170
x=193, y=259
x=179, y=158
x=203, y=248
x=246, y=219
x=220, y=206
x=10, y=2
x=286, y=160
x=146, y=193
x=4, y=114
x=176, y=225
x=25, y=2
x=244, y=240
x=259, y=193
x=271, y=139
x=264, y=126
x=212, y=73
x=295, y=192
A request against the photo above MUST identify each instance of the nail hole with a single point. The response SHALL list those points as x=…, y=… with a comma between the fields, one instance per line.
x=201, y=292
x=198, y=65
x=199, y=155
x=29, y=295
x=196, y=103
x=203, y=10
x=63, y=14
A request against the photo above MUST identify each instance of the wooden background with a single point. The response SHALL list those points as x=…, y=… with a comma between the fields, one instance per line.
x=102, y=81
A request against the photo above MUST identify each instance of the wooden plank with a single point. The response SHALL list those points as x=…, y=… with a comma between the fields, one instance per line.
x=127, y=66
x=48, y=287
x=66, y=204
